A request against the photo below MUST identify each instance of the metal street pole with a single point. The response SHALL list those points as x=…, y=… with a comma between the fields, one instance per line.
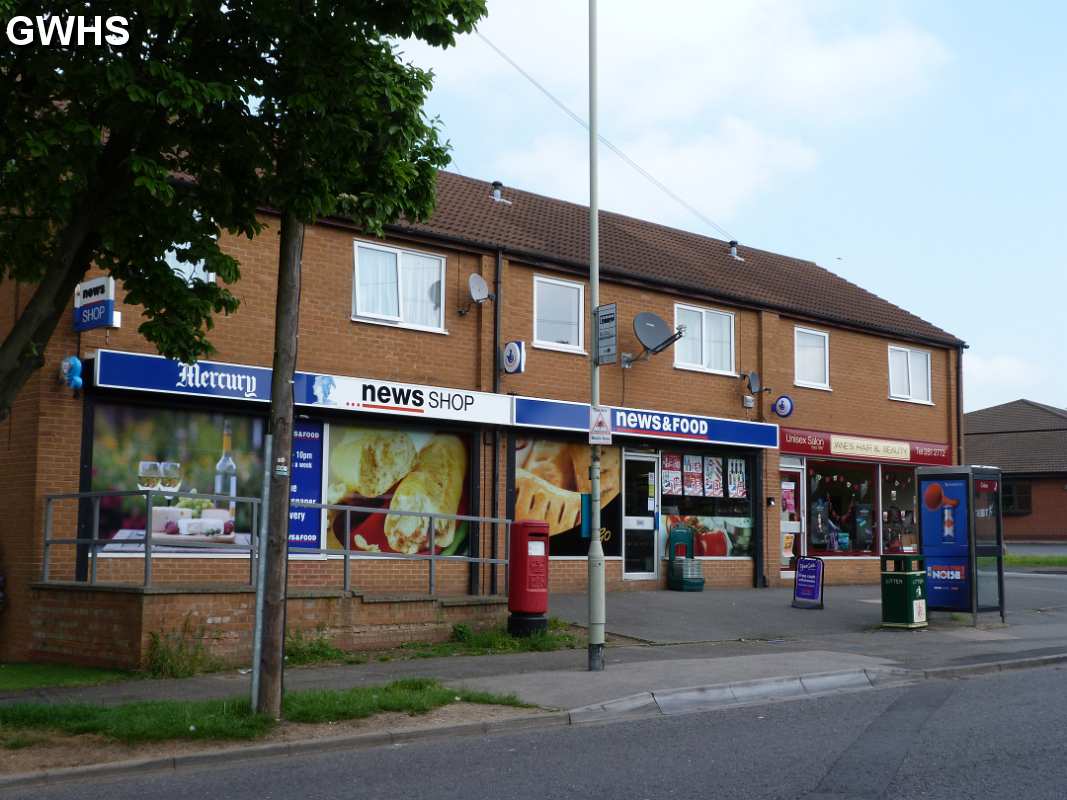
x=596, y=549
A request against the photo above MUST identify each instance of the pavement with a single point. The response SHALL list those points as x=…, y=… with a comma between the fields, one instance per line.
x=672, y=653
x=681, y=640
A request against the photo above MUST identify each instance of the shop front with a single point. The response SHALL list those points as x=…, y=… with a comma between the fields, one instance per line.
x=663, y=469
x=848, y=498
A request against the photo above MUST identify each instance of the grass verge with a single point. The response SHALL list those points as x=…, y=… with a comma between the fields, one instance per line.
x=1034, y=561
x=17, y=677
x=169, y=720
x=492, y=641
x=301, y=649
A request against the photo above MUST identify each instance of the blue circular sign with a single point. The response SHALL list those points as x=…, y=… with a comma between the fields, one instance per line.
x=783, y=406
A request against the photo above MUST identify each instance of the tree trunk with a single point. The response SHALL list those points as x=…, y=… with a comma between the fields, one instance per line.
x=287, y=308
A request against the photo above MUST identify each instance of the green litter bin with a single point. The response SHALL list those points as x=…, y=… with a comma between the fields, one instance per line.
x=903, y=591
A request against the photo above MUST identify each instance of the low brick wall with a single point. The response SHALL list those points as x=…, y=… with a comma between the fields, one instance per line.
x=112, y=625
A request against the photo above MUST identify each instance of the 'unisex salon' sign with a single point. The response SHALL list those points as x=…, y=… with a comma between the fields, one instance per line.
x=823, y=443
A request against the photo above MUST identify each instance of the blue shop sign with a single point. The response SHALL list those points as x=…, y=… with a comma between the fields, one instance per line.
x=305, y=483
x=147, y=373
x=559, y=415
x=94, y=304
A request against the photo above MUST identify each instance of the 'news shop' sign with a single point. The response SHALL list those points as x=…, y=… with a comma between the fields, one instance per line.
x=94, y=304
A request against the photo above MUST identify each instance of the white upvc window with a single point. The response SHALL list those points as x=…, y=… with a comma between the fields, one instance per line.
x=909, y=374
x=811, y=358
x=398, y=287
x=708, y=342
x=190, y=272
x=559, y=314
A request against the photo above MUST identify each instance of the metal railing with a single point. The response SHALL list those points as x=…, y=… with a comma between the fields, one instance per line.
x=94, y=544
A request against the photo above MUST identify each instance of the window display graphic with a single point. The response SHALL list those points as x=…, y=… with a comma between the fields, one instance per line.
x=693, y=476
x=737, y=486
x=671, y=473
x=305, y=483
x=722, y=525
x=169, y=451
x=550, y=479
x=398, y=470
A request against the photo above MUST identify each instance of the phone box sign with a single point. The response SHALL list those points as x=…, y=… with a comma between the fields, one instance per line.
x=94, y=304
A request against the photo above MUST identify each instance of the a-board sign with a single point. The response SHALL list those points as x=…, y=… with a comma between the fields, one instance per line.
x=807, y=585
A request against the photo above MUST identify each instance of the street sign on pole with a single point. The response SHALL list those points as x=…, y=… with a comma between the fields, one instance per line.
x=607, y=347
x=599, y=426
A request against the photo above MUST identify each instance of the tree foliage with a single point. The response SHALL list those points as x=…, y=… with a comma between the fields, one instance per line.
x=112, y=154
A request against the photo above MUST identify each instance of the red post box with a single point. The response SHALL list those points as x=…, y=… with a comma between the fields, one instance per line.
x=528, y=578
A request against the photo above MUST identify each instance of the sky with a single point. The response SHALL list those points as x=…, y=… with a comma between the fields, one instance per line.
x=914, y=148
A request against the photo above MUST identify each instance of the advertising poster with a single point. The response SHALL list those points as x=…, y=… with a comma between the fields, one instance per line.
x=305, y=484
x=550, y=479
x=170, y=451
x=943, y=515
x=397, y=470
x=712, y=476
x=808, y=582
x=693, y=476
x=738, y=486
x=671, y=473
x=714, y=536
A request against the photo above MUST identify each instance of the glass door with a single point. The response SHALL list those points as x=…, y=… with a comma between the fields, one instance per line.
x=640, y=503
x=791, y=520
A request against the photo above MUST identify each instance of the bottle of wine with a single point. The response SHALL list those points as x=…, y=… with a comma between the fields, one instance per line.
x=226, y=468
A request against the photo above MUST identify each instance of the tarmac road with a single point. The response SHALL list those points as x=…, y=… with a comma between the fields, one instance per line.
x=990, y=737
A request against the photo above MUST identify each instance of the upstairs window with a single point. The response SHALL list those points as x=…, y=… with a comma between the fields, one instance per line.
x=189, y=272
x=708, y=342
x=559, y=308
x=400, y=287
x=909, y=374
x=811, y=354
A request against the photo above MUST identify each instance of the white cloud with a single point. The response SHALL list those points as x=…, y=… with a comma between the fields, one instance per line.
x=720, y=101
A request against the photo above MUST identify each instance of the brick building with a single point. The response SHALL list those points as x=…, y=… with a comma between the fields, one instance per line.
x=1028, y=442
x=401, y=405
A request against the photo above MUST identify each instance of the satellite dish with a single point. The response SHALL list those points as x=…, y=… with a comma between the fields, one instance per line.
x=479, y=288
x=654, y=334
x=651, y=331
x=753, y=382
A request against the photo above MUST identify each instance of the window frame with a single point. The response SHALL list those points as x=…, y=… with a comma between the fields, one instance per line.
x=1013, y=509
x=386, y=319
x=910, y=398
x=563, y=348
x=704, y=312
x=798, y=329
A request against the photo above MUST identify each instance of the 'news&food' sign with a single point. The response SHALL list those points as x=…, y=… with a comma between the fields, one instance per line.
x=824, y=443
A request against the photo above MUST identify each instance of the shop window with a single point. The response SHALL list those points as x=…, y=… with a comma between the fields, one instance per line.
x=842, y=508
x=558, y=314
x=708, y=343
x=812, y=358
x=900, y=531
x=909, y=374
x=399, y=287
x=1016, y=497
x=713, y=495
x=170, y=450
x=550, y=479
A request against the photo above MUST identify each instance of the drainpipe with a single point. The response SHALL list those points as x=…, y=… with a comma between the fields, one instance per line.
x=959, y=403
x=494, y=491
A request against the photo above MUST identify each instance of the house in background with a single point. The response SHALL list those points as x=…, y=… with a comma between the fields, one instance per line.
x=1028, y=441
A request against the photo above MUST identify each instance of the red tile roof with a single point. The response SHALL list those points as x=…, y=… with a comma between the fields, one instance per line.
x=556, y=231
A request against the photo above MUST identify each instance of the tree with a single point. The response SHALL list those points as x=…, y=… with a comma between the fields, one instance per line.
x=348, y=136
x=111, y=155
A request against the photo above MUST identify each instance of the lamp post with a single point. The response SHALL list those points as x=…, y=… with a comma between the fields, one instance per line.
x=596, y=549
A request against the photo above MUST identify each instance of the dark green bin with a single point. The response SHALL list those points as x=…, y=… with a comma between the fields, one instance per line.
x=903, y=591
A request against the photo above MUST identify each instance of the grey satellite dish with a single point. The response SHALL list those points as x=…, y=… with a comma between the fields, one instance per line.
x=654, y=334
x=753, y=382
x=479, y=290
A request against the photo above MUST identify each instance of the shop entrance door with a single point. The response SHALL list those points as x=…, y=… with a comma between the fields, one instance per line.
x=640, y=503
x=791, y=518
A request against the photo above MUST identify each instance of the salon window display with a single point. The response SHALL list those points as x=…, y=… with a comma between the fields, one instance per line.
x=397, y=470
x=842, y=508
x=900, y=530
x=550, y=479
x=710, y=494
x=169, y=451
